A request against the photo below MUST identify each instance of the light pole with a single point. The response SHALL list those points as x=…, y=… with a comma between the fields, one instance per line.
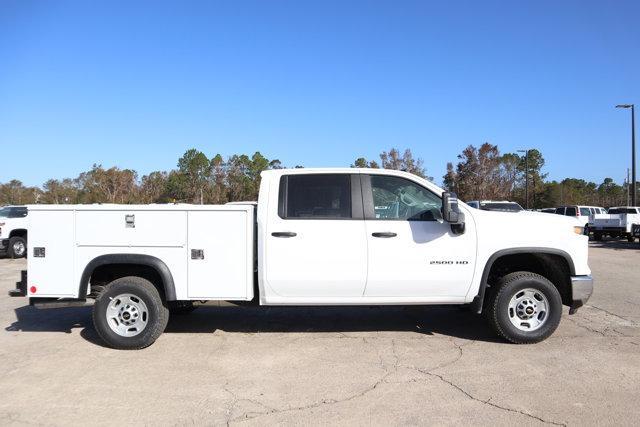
x=633, y=151
x=526, y=177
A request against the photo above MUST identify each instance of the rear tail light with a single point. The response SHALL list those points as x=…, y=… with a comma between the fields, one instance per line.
x=33, y=289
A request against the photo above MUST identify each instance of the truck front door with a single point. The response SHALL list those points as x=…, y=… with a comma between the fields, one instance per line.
x=411, y=251
x=315, y=244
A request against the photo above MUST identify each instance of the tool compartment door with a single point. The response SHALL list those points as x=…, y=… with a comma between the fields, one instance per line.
x=220, y=254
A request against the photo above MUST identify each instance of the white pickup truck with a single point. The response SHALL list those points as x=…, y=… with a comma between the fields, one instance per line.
x=13, y=231
x=618, y=222
x=315, y=237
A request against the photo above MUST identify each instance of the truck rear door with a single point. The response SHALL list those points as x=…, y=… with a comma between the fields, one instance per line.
x=315, y=244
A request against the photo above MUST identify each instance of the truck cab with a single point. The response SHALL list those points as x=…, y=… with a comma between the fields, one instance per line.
x=315, y=237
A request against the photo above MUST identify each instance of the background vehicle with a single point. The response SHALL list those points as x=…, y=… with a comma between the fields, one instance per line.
x=13, y=231
x=635, y=231
x=584, y=214
x=617, y=222
x=494, y=205
x=320, y=237
x=548, y=210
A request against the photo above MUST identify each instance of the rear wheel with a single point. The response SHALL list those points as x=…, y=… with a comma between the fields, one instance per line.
x=524, y=308
x=630, y=238
x=17, y=247
x=129, y=313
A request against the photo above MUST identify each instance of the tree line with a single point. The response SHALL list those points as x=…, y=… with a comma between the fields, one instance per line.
x=480, y=173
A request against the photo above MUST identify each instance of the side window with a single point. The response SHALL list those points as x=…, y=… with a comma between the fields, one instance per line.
x=560, y=211
x=17, y=212
x=571, y=211
x=397, y=198
x=315, y=196
x=585, y=211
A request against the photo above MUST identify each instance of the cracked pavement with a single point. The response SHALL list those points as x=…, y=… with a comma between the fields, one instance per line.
x=350, y=365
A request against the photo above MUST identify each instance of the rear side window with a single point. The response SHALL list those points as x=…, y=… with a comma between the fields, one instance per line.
x=315, y=196
x=560, y=211
x=585, y=211
x=570, y=211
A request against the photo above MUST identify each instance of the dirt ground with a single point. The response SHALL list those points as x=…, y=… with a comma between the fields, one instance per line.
x=362, y=366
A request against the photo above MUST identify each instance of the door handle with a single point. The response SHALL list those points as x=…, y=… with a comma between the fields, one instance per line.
x=384, y=234
x=283, y=234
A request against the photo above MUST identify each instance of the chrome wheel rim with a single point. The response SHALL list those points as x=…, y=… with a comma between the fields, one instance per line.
x=19, y=248
x=127, y=315
x=528, y=310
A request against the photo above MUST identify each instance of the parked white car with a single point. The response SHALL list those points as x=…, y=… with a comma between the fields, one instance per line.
x=13, y=231
x=324, y=237
x=495, y=205
x=618, y=222
x=584, y=214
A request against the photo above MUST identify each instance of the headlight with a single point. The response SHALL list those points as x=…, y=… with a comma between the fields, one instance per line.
x=578, y=230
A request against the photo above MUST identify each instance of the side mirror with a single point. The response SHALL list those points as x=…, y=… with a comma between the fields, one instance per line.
x=450, y=212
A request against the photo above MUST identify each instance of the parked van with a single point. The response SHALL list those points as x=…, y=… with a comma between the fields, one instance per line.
x=585, y=214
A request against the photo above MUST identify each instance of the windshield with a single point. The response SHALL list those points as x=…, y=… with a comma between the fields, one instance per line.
x=502, y=207
x=622, y=210
x=12, y=212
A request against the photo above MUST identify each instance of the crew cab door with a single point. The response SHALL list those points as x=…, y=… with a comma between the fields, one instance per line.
x=411, y=251
x=315, y=244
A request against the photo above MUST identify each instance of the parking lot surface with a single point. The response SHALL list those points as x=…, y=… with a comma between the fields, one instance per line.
x=351, y=365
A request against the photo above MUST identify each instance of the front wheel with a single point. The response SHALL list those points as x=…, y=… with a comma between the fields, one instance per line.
x=524, y=308
x=129, y=314
x=17, y=247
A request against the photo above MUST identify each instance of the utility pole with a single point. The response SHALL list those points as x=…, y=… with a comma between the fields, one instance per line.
x=628, y=189
x=633, y=150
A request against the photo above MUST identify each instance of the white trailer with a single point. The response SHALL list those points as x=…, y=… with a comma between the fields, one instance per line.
x=315, y=237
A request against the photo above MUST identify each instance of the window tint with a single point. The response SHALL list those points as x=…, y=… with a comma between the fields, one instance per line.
x=585, y=211
x=321, y=196
x=13, y=212
x=502, y=207
x=560, y=211
x=399, y=198
x=622, y=211
x=571, y=211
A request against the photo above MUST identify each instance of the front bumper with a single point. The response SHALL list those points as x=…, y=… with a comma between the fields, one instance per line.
x=581, y=290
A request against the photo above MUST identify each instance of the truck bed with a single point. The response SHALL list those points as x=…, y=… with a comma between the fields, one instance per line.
x=207, y=248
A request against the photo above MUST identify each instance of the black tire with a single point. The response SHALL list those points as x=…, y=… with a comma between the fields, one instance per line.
x=20, y=242
x=181, y=307
x=498, y=313
x=631, y=239
x=157, y=313
x=597, y=236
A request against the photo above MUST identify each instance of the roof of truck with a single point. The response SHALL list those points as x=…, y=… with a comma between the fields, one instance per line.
x=369, y=171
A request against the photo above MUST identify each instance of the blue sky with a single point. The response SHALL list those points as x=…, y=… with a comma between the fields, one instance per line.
x=135, y=84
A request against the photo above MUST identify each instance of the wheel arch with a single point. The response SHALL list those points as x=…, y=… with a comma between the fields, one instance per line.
x=134, y=262
x=554, y=264
x=18, y=232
